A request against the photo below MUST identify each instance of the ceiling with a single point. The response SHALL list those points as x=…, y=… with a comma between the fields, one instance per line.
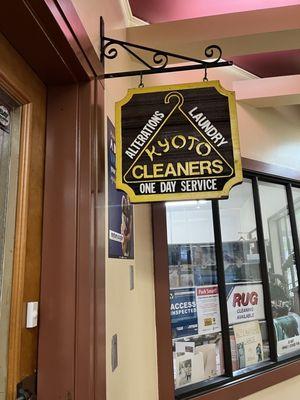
x=155, y=11
x=263, y=65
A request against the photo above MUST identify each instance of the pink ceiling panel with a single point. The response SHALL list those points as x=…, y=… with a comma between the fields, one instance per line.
x=266, y=65
x=155, y=11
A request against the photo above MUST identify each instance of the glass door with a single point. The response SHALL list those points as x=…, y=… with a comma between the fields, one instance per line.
x=9, y=160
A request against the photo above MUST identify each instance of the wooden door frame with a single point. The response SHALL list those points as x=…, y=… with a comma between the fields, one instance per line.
x=71, y=363
x=22, y=85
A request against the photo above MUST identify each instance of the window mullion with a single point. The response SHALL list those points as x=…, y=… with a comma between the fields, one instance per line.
x=264, y=271
x=294, y=229
x=222, y=288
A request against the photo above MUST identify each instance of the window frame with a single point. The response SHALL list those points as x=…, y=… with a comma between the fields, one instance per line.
x=234, y=385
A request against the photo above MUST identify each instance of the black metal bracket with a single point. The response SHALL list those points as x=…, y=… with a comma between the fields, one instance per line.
x=109, y=50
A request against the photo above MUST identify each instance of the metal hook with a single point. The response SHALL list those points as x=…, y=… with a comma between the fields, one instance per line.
x=141, y=85
x=205, y=79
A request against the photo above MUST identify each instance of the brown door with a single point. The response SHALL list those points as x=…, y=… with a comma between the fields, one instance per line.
x=22, y=132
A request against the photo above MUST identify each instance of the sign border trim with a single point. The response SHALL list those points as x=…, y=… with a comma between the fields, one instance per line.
x=238, y=178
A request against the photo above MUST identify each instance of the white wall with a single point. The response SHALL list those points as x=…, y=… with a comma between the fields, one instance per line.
x=130, y=314
x=271, y=134
x=90, y=11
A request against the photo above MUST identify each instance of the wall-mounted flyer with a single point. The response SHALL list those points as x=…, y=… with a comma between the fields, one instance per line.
x=120, y=211
x=245, y=302
x=249, y=343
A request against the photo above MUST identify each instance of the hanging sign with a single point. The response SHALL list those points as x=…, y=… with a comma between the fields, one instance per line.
x=177, y=142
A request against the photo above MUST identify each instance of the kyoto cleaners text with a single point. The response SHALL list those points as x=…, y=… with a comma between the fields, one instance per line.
x=201, y=171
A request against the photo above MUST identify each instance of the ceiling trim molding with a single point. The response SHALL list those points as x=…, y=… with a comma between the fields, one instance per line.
x=130, y=19
x=244, y=72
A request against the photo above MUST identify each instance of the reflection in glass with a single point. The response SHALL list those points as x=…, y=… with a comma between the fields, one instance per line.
x=283, y=278
x=5, y=151
x=194, y=295
x=10, y=114
x=296, y=198
x=245, y=301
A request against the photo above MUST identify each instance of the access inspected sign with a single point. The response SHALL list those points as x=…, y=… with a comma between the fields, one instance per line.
x=177, y=142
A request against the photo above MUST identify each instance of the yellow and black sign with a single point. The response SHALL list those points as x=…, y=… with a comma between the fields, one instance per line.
x=177, y=142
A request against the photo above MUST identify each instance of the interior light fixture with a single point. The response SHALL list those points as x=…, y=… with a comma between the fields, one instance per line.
x=186, y=203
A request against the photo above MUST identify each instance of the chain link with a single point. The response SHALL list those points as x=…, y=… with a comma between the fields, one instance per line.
x=141, y=85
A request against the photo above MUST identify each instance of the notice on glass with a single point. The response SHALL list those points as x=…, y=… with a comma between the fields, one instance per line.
x=287, y=346
x=194, y=363
x=249, y=343
x=183, y=312
x=245, y=302
x=287, y=330
x=208, y=309
x=210, y=360
x=189, y=369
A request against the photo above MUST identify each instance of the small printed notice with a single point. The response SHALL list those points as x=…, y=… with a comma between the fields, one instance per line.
x=189, y=369
x=208, y=309
x=287, y=330
x=249, y=343
x=290, y=345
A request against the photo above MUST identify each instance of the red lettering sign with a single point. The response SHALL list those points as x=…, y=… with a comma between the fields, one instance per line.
x=244, y=299
x=207, y=291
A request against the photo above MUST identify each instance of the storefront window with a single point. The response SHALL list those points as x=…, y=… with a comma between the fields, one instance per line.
x=244, y=288
x=282, y=270
x=233, y=284
x=194, y=293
